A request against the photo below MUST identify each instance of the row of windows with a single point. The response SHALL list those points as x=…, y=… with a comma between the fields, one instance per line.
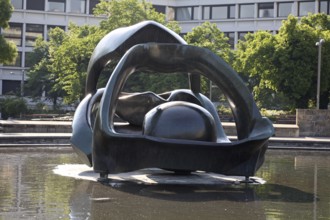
x=264, y=10
x=14, y=87
x=71, y=6
x=32, y=31
x=18, y=62
x=218, y=12
x=10, y=87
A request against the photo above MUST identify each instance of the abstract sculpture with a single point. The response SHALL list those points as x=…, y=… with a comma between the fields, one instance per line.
x=179, y=130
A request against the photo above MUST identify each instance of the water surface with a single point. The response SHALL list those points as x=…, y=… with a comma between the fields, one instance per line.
x=296, y=188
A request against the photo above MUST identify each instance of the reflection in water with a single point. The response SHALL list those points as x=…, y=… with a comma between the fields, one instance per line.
x=296, y=188
x=160, y=201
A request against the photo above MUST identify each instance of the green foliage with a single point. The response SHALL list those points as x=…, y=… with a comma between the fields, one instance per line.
x=6, y=9
x=8, y=50
x=125, y=13
x=156, y=82
x=282, y=68
x=254, y=61
x=274, y=113
x=62, y=62
x=279, y=116
x=12, y=107
x=70, y=59
x=223, y=110
x=209, y=36
x=122, y=13
x=41, y=78
x=296, y=61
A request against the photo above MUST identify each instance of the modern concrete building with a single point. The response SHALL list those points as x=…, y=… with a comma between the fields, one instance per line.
x=33, y=18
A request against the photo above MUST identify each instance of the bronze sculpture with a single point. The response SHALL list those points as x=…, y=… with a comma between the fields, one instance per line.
x=179, y=130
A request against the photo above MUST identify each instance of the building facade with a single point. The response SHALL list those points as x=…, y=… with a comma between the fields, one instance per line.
x=34, y=18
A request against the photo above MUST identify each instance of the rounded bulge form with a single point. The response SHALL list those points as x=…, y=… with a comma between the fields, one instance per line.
x=180, y=120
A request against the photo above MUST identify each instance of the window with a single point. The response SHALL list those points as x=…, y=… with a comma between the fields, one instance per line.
x=18, y=61
x=266, y=10
x=246, y=11
x=218, y=12
x=14, y=33
x=306, y=7
x=33, y=31
x=92, y=4
x=284, y=9
x=195, y=13
x=18, y=4
x=206, y=13
x=170, y=15
x=324, y=7
x=232, y=11
x=35, y=5
x=10, y=87
x=78, y=6
x=231, y=40
x=56, y=5
x=186, y=13
x=160, y=8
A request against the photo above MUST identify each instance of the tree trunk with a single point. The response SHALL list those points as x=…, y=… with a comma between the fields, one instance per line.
x=54, y=103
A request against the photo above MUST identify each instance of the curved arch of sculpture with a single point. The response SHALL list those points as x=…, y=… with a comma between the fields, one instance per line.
x=174, y=57
x=117, y=42
x=113, y=46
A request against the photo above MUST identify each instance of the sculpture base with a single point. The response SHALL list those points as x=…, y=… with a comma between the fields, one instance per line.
x=152, y=176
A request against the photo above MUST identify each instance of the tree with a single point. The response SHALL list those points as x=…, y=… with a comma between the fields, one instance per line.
x=8, y=50
x=209, y=36
x=41, y=78
x=70, y=60
x=286, y=64
x=72, y=57
x=121, y=13
x=320, y=23
x=156, y=82
x=65, y=66
x=254, y=62
x=295, y=58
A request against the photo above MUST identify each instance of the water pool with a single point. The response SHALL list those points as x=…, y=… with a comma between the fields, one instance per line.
x=296, y=188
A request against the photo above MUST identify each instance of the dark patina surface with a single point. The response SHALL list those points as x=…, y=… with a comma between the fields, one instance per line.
x=179, y=130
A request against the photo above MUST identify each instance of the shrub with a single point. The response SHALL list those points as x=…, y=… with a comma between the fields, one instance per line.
x=12, y=107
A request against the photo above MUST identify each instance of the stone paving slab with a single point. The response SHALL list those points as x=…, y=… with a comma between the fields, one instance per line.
x=31, y=126
x=34, y=139
x=28, y=135
x=34, y=122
